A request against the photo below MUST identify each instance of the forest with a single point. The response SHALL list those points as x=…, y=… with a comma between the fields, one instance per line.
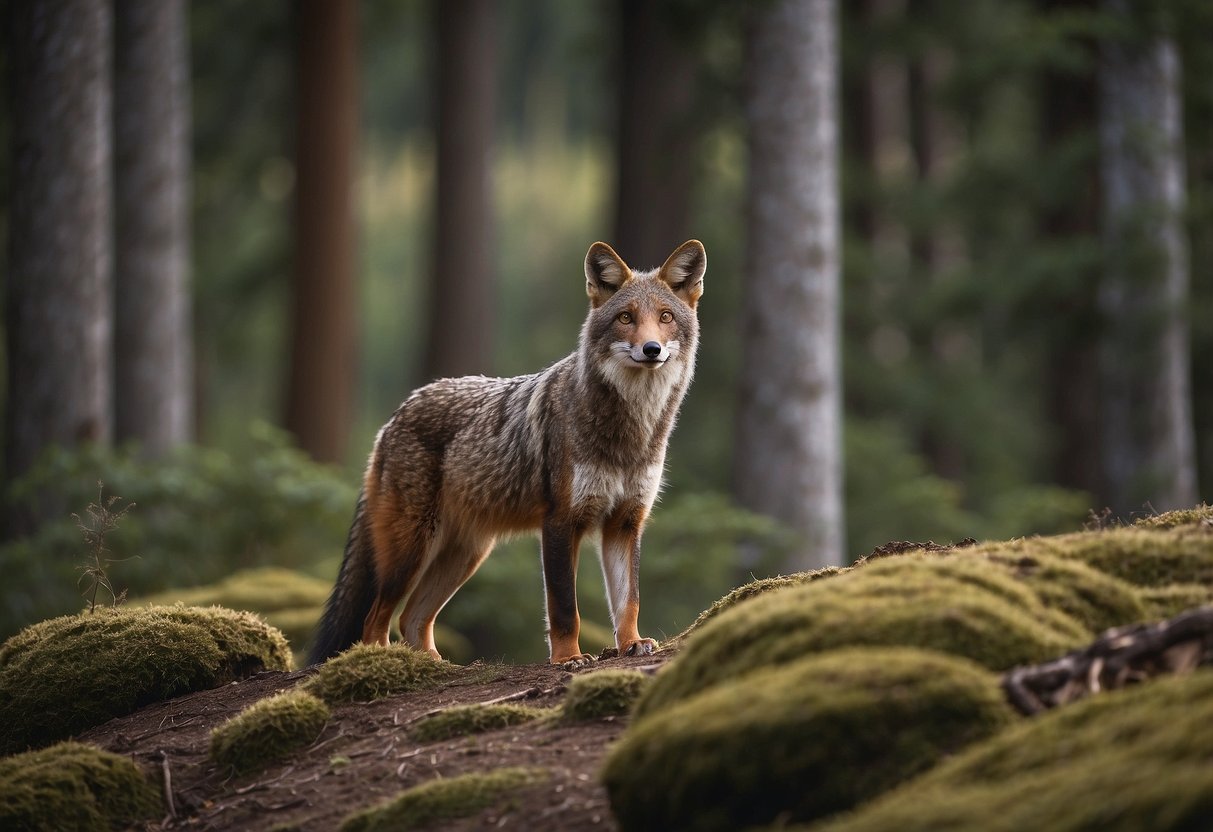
x=959, y=275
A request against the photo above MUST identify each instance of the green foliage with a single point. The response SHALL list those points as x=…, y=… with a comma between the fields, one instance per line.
x=1120, y=762
x=269, y=731
x=799, y=741
x=955, y=605
x=444, y=799
x=367, y=672
x=462, y=720
x=602, y=693
x=67, y=674
x=203, y=514
x=71, y=786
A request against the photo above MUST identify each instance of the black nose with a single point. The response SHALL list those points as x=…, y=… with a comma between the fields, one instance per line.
x=651, y=349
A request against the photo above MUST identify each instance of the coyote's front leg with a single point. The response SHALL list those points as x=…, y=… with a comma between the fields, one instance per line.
x=560, y=544
x=621, y=569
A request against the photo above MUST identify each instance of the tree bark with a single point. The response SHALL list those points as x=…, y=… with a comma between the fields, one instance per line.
x=153, y=343
x=656, y=135
x=1148, y=435
x=788, y=451
x=323, y=356
x=460, y=339
x=58, y=311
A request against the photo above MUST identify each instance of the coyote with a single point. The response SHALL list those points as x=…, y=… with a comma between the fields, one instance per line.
x=576, y=449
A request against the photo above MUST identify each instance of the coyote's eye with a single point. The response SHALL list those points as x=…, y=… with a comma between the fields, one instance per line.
x=624, y=317
x=667, y=316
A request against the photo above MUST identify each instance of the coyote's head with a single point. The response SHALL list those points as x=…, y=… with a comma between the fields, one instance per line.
x=642, y=321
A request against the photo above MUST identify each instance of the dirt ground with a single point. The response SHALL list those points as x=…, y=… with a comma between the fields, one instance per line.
x=365, y=755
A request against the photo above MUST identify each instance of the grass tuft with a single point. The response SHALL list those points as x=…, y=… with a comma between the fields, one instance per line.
x=603, y=693
x=74, y=786
x=269, y=731
x=444, y=799
x=367, y=672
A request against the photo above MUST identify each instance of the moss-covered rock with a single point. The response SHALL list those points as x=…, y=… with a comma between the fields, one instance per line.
x=1145, y=555
x=70, y=786
x=801, y=741
x=462, y=720
x=1202, y=515
x=958, y=605
x=603, y=693
x=269, y=731
x=67, y=674
x=367, y=672
x=753, y=589
x=1118, y=762
x=445, y=799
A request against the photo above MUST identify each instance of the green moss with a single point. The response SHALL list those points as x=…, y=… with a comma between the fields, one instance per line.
x=1169, y=601
x=603, y=693
x=461, y=720
x=801, y=741
x=444, y=799
x=72, y=786
x=367, y=672
x=1202, y=515
x=67, y=674
x=1119, y=762
x=1143, y=555
x=268, y=731
x=958, y=605
x=753, y=589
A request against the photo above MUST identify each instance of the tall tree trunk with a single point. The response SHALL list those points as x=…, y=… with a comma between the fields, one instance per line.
x=323, y=357
x=789, y=437
x=1068, y=102
x=1148, y=436
x=153, y=343
x=656, y=134
x=58, y=311
x=463, y=288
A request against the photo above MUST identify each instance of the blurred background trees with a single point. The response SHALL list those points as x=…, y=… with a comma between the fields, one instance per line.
x=1025, y=317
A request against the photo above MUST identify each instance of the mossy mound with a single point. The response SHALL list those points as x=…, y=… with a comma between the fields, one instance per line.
x=958, y=605
x=462, y=720
x=72, y=786
x=367, y=672
x=67, y=674
x=603, y=693
x=269, y=731
x=802, y=741
x=1202, y=515
x=1163, y=553
x=753, y=589
x=1118, y=762
x=445, y=799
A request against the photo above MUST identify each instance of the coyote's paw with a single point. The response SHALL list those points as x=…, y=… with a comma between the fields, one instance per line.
x=574, y=662
x=640, y=647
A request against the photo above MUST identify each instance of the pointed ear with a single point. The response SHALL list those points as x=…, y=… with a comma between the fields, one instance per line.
x=683, y=271
x=605, y=272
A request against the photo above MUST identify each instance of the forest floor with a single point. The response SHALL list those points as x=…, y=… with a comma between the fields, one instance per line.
x=365, y=755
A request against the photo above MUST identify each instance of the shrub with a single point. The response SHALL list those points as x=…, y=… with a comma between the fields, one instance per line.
x=603, y=693
x=367, y=672
x=269, y=730
x=445, y=799
x=72, y=786
x=1118, y=762
x=62, y=676
x=801, y=741
x=461, y=720
x=955, y=605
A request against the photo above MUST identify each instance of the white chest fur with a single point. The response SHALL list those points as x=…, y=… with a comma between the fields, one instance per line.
x=605, y=488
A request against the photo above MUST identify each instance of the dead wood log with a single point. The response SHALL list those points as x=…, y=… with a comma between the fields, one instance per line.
x=1121, y=656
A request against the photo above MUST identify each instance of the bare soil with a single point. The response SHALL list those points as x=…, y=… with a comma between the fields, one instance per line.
x=365, y=755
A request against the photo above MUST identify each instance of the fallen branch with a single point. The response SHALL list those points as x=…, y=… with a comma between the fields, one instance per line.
x=168, y=785
x=1121, y=656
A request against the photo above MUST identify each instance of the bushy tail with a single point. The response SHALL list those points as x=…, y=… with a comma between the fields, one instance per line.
x=353, y=594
